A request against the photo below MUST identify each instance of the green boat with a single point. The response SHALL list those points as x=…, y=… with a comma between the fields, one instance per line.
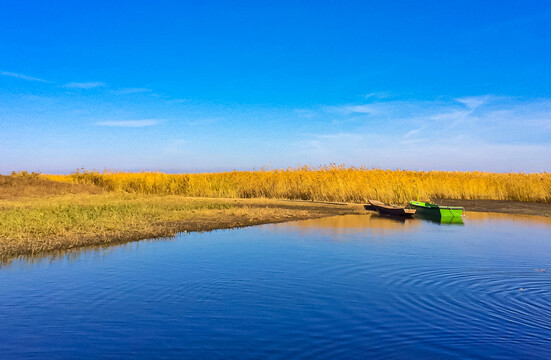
x=435, y=211
x=455, y=220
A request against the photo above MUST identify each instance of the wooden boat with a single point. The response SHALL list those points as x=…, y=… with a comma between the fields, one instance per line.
x=436, y=211
x=390, y=210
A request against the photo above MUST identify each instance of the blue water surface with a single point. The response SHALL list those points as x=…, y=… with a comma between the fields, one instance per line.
x=350, y=287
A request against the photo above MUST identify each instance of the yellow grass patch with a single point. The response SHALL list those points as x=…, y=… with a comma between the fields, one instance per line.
x=329, y=183
x=49, y=221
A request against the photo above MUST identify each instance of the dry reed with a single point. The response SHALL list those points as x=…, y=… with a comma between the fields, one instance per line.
x=327, y=183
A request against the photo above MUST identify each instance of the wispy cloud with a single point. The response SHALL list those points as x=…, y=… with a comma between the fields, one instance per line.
x=353, y=109
x=339, y=136
x=442, y=153
x=84, y=85
x=473, y=102
x=129, y=123
x=129, y=91
x=477, y=115
x=412, y=132
x=21, y=76
x=477, y=133
x=378, y=95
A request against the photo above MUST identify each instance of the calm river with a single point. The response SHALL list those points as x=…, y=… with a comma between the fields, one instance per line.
x=351, y=287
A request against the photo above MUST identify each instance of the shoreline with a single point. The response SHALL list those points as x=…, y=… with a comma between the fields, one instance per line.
x=500, y=206
x=198, y=215
x=149, y=217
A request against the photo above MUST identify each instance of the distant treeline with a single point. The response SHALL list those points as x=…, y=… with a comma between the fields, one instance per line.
x=327, y=183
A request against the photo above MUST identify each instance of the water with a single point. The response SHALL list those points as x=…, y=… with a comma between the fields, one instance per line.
x=350, y=287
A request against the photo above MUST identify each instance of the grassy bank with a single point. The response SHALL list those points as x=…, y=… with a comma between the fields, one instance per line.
x=49, y=212
x=330, y=183
x=34, y=219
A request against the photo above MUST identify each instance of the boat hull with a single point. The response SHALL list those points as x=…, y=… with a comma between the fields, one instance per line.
x=389, y=209
x=436, y=211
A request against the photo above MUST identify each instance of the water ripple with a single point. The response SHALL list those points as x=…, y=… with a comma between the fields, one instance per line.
x=258, y=293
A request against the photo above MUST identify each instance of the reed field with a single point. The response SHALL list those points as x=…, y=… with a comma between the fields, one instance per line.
x=38, y=214
x=24, y=184
x=52, y=212
x=328, y=183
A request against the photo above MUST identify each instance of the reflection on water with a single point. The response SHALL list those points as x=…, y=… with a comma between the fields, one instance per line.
x=394, y=289
x=489, y=217
x=73, y=255
x=338, y=227
x=341, y=226
x=445, y=220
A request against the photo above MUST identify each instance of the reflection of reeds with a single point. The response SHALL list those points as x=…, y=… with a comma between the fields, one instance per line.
x=532, y=220
x=72, y=255
x=328, y=183
x=339, y=227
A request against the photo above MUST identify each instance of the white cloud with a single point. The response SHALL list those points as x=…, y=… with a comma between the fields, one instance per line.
x=353, y=109
x=21, y=76
x=473, y=102
x=129, y=91
x=478, y=116
x=129, y=123
x=412, y=132
x=339, y=136
x=451, y=115
x=472, y=133
x=378, y=95
x=440, y=153
x=84, y=85
x=362, y=109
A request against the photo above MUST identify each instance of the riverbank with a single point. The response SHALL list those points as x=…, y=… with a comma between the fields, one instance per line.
x=31, y=225
x=40, y=224
x=500, y=206
x=40, y=215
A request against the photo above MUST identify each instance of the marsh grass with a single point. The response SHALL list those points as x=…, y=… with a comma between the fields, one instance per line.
x=46, y=223
x=24, y=184
x=51, y=212
x=327, y=183
x=55, y=220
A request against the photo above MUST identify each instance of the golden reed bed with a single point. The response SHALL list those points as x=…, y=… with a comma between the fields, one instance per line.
x=327, y=183
x=52, y=212
x=38, y=214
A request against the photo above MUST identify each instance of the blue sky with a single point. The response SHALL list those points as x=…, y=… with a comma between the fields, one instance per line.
x=208, y=86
